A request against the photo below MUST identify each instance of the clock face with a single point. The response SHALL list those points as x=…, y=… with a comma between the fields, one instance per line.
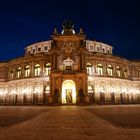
x=68, y=46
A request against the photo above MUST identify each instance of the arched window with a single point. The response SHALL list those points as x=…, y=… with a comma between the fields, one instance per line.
x=90, y=90
x=89, y=69
x=37, y=70
x=102, y=89
x=12, y=74
x=68, y=64
x=27, y=71
x=109, y=70
x=47, y=69
x=47, y=89
x=100, y=69
x=118, y=71
x=18, y=72
x=125, y=72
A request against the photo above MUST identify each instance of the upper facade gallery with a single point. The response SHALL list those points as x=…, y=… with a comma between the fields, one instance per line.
x=69, y=69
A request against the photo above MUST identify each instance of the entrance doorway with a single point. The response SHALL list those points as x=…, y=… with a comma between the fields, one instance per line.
x=102, y=98
x=68, y=92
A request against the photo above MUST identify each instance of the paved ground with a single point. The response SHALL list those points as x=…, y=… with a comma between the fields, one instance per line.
x=127, y=116
x=70, y=123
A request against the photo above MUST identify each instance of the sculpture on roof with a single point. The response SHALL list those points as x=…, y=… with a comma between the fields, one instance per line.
x=67, y=24
x=68, y=28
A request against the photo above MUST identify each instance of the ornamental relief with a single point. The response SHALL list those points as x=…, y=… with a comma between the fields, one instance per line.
x=68, y=46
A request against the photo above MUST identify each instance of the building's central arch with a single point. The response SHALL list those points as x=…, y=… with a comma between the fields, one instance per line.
x=68, y=92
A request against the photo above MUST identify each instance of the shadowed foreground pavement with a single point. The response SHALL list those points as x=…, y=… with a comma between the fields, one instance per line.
x=70, y=123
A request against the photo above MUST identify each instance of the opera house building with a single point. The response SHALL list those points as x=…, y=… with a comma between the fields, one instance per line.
x=69, y=69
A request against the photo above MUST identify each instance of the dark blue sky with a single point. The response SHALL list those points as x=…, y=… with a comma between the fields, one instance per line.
x=115, y=22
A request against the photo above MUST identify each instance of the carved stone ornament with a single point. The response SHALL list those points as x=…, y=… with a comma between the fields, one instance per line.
x=68, y=46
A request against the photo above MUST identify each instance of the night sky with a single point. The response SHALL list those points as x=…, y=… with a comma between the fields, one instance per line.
x=114, y=22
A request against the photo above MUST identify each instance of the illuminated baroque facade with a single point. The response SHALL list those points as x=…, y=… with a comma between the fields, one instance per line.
x=68, y=69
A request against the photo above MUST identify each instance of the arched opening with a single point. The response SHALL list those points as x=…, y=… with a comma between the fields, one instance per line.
x=113, y=94
x=118, y=71
x=100, y=69
x=12, y=74
x=68, y=92
x=37, y=70
x=47, y=69
x=24, y=95
x=122, y=99
x=123, y=94
x=110, y=70
x=18, y=72
x=35, y=95
x=68, y=64
x=27, y=71
x=91, y=94
x=89, y=69
x=46, y=94
x=102, y=95
x=113, y=97
x=125, y=72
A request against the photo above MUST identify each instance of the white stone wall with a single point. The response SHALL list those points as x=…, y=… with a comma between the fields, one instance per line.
x=14, y=92
x=94, y=46
x=9, y=90
x=39, y=47
x=129, y=89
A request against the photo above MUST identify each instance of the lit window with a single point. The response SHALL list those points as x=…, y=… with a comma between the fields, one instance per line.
x=47, y=69
x=27, y=71
x=91, y=47
x=37, y=70
x=110, y=70
x=90, y=90
x=46, y=48
x=68, y=64
x=19, y=72
x=47, y=89
x=89, y=69
x=118, y=71
x=39, y=49
x=12, y=74
x=125, y=72
x=100, y=69
x=33, y=50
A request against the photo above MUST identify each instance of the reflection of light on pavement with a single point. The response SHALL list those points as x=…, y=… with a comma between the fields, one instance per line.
x=68, y=85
